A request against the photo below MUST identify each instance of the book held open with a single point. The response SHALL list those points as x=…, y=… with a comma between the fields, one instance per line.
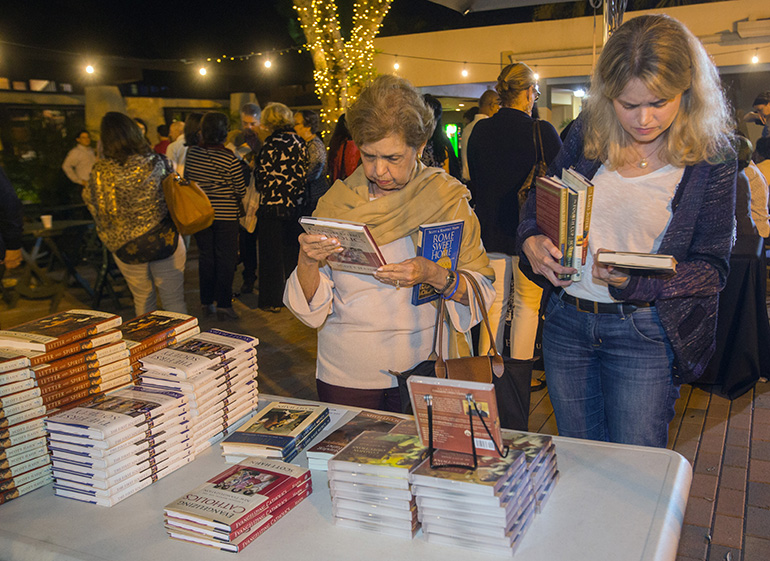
x=360, y=254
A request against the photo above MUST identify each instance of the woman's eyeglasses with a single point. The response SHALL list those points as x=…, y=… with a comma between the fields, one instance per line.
x=537, y=92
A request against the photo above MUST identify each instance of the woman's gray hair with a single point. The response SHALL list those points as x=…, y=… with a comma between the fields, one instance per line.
x=390, y=105
x=276, y=115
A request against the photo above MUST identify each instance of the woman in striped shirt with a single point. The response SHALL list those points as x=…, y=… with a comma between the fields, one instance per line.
x=220, y=174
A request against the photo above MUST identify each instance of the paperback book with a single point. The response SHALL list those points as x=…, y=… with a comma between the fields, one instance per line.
x=57, y=330
x=439, y=243
x=656, y=262
x=360, y=254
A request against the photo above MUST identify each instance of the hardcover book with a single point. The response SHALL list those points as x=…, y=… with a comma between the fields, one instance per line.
x=386, y=454
x=361, y=253
x=57, y=330
x=239, y=495
x=631, y=260
x=451, y=419
x=439, y=243
x=155, y=327
x=276, y=427
x=585, y=197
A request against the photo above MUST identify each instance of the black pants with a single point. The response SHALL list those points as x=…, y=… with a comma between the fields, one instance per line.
x=218, y=256
x=278, y=252
x=248, y=248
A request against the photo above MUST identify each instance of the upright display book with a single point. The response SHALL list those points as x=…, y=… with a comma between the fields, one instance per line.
x=451, y=422
x=439, y=243
x=239, y=495
x=57, y=330
x=645, y=261
x=361, y=253
x=278, y=426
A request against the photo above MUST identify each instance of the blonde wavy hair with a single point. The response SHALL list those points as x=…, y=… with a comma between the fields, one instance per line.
x=669, y=60
x=390, y=105
x=514, y=79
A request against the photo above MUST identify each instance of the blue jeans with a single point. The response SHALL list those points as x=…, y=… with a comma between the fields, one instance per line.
x=609, y=375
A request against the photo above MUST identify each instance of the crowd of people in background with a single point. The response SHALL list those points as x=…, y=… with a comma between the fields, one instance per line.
x=655, y=135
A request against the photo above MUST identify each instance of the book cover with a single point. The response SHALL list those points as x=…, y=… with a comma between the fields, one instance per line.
x=361, y=253
x=585, y=191
x=363, y=421
x=154, y=327
x=551, y=199
x=238, y=495
x=451, y=421
x=196, y=354
x=57, y=330
x=491, y=476
x=276, y=427
x=657, y=262
x=374, y=453
x=439, y=243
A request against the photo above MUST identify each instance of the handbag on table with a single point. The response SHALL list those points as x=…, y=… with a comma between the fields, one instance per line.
x=188, y=205
x=510, y=376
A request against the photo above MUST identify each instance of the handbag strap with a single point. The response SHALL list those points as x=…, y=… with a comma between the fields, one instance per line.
x=498, y=366
x=537, y=138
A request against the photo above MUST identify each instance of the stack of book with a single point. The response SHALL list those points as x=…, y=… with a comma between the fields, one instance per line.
x=234, y=508
x=369, y=483
x=217, y=372
x=487, y=509
x=154, y=331
x=47, y=365
x=318, y=455
x=24, y=461
x=109, y=449
x=564, y=215
x=540, y=454
x=279, y=430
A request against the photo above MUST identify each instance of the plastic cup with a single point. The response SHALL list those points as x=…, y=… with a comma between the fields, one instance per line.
x=47, y=220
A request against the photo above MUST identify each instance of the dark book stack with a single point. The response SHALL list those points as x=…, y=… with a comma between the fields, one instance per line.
x=217, y=372
x=542, y=468
x=486, y=509
x=369, y=483
x=257, y=492
x=107, y=450
x=318, y=455
x=279, y=430
x=48, y=365
x=154, y=331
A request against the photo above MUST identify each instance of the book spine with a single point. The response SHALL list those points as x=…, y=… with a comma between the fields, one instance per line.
x=587, y=220
x=577, y=251
x=16, y=376
x=77, y=347
x=15, y=363
x=276, y=516
x=280, y=491
x=14, y=398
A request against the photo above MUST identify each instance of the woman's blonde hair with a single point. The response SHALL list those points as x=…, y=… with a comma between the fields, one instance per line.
x=514, y=79
x=276, y=116
x=669, y=60
x=390, y=105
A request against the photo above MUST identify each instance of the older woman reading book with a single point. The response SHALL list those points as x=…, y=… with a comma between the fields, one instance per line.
x=366, y=323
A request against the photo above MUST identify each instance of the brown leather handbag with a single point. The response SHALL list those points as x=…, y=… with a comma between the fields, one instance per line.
x=510, y=376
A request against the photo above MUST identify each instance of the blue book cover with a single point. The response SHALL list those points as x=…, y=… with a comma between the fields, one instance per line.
x=441, y=244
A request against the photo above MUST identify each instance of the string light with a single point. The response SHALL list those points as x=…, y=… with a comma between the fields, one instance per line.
x=465, y=71
x=755, y=58
x=90, y=69
x=202, y=71
x=268, y=64
x=396, y=65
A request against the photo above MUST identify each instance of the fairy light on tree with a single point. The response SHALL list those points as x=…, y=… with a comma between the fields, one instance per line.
x=342, y=67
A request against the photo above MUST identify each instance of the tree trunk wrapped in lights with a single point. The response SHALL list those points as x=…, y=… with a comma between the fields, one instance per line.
x=342, y=67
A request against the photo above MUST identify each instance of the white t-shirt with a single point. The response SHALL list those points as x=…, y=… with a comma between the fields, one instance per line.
x=628, y=214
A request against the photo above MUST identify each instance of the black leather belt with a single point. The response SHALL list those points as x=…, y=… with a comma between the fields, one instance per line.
x=591, y=307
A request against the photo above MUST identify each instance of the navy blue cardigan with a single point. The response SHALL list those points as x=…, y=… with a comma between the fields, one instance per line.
x=699, y=237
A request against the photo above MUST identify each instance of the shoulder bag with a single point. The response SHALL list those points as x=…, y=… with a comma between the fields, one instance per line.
x=538, y=170
x=510, y=376
x=158, y=243
x=188, y=205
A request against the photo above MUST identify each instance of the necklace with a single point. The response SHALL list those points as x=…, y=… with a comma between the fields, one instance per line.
x=643, y=163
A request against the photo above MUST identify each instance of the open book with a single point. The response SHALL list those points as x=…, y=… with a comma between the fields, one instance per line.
x=360, y=254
